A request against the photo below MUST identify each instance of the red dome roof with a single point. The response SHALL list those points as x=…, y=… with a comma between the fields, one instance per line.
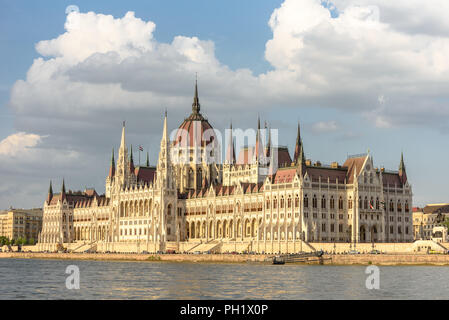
x=195, y=130
x=194, y=133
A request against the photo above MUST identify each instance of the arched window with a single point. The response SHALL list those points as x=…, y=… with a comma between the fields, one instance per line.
x=314, y=201
x=289, y=201
x=332, y=202
x=377, y=204
x=268, y=203
x=306, y=201
x=340, y=203
x=297, y=201
x=275, y=203
x=282, y=202
x=399, y=206
x=349, y=203
x=406, y=206
x=391, y=206
x=366, y=203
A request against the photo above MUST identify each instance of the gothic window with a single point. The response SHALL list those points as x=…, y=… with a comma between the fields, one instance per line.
x=399, y=206
x=350, y=203
x=366, y=203
x=391, y=206
x=323, y=202
x=406, y=206
x=289, y=201
x=282, y=202
x=377, y=204
x=297, y=201
x=306, y=201
x=332, y=202
x=340, y=203
x=314, y=201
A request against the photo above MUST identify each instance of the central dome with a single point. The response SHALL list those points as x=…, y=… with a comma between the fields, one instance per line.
x=195, y=130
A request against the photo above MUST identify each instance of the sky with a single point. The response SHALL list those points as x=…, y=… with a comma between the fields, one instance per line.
x=358, y=75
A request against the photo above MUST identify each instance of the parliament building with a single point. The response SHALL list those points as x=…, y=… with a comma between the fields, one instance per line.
x=259, y=200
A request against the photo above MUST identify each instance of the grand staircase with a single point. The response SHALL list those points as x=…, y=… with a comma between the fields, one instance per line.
x=210, y=246
x=86, y=247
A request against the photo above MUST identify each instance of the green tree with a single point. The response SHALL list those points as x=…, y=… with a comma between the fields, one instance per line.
x=31, y=241
x=445, y=223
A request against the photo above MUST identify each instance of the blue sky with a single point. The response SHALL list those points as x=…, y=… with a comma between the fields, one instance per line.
x=332, y=84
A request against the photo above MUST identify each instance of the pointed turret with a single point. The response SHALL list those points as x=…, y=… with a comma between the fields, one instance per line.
x=131, y=161
x=112, y=167
x=63, y=195
x=230, y=152
x=258, y=149
x=148, y=160
x=196, y=100
x=123, y=141
x=402, y=172
x=268, y=149
x=298, y=145
x=164, y=173
x=50, y=194
x=122, y=174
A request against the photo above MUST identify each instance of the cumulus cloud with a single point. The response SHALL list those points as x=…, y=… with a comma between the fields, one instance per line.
x=341, y=55
x=18, y=143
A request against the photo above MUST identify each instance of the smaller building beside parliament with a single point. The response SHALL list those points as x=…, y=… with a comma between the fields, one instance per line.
x=258, y=200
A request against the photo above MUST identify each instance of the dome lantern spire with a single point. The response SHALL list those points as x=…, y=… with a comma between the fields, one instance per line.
x=196, y=100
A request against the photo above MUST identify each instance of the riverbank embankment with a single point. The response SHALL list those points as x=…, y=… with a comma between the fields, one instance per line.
x=339, y=259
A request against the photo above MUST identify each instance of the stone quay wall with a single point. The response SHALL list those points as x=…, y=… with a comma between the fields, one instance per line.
x=338, y=259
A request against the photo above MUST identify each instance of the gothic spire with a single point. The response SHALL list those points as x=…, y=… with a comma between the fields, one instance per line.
x=63, y=190
x=230, y=153
x=401, y=164
x=131, y=161
x=50, y=193
x=269, y=141
x=402, y=172
x=258, y=150
x=298, y=146
x=148, y=160
x=123, y=142
x=112, y=167
x=196, y=100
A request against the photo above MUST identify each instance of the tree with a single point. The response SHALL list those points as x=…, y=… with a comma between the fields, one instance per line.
x=445, y=223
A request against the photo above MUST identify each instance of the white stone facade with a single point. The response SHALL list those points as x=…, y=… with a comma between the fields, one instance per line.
x=252, y=206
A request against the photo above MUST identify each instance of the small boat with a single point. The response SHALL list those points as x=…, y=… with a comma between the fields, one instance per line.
x=278, y=260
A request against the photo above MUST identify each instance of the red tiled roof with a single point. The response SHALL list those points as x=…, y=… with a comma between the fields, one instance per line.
x=391, y=179
x=145, y=174
x=194, y=133
x=283, y=157
x=285, y=175
x=353, y=164
x=315, y=173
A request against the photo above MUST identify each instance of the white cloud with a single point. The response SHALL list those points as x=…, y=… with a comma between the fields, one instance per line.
x=18, y=143
x=105, y=69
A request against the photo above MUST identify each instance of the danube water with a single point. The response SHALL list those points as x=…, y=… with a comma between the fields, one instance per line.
x=46, y=279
